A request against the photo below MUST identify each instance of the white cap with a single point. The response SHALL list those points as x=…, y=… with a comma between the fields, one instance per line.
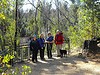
x=49, y=32
x=34, y=35
x=57, y=31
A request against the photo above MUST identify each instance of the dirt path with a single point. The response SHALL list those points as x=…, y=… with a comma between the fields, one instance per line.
x=71, y=65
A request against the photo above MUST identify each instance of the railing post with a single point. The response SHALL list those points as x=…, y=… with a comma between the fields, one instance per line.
x=21, y=54
x=28, y=53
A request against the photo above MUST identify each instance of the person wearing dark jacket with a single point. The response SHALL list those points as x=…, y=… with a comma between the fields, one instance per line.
x=41, y=41
x=49, y=45
x=34, y=46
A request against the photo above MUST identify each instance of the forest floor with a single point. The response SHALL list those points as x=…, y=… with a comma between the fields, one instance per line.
x=70, y=65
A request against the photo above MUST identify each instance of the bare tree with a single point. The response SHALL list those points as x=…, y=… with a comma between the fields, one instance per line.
x=16, y=26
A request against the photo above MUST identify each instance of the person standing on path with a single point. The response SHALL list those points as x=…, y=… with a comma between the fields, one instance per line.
x=34, y=46
x=41, y=41
x=49, y=40
x=59, y=39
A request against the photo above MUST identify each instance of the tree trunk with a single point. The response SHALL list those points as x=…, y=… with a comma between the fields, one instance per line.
x=16, y=24
x=36, y=25
x=93, y=24
x=58, y=13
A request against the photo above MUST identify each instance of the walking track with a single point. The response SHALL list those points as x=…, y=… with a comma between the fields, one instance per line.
x=71, y=65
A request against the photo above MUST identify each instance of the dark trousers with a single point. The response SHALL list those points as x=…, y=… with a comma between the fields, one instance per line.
x=49, y=50
x=42, y=53
x=34, y=55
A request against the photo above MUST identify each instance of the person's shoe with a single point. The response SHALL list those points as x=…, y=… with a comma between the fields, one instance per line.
x=33, y=61
x=49, y=57
x=58, y=55
x=43, y=59
x=36, y=60
x=61, y=56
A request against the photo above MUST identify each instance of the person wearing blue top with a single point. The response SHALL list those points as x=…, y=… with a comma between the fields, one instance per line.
x=49, y=40
x=41, y=41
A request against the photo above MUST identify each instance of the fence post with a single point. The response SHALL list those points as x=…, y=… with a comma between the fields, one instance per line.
x=28, y=53
x=69, y=46
x=21, y=54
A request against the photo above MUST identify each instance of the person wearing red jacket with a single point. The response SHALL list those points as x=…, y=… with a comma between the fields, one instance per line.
x=59, y=39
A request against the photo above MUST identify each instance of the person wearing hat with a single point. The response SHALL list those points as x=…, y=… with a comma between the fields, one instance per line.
x=34, y=46
x=59, y=39
x=41, y=41
x=49, y=40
